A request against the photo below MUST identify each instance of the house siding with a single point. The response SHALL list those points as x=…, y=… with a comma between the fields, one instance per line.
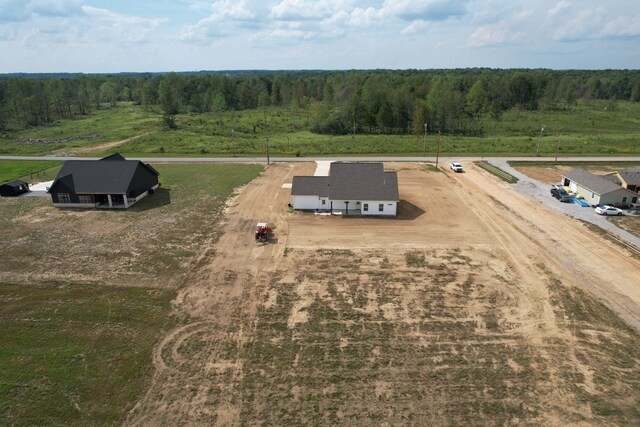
x=306, y=202
x=615, y=197
x=357, y=207
x=389, y=208
x=585, y=193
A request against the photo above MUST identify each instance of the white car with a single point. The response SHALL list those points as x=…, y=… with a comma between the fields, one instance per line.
x=456, y=167
x=608, y=210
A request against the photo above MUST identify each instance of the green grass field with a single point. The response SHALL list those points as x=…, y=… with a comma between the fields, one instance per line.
x=76, y=354
x=596, y=128
x=28, y=170
x=77, y=328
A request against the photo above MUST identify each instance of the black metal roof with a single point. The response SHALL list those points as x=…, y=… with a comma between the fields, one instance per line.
x=15, y=183
x=310, y=186
x=109, y=175
x=350, y=181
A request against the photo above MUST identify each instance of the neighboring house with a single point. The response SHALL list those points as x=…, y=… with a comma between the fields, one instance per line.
x=350, y=188
x=598, y=190
x=14, y=188
x=112, y=182
x=629, y=179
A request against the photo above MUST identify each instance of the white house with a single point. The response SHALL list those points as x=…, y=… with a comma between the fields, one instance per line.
x=350, y=189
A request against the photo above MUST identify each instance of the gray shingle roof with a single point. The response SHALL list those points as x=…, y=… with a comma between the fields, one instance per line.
x=105, y=176
x=350, y=181
x=595, y=183
x=310, y=186
x=630, y=176
x=362, y=181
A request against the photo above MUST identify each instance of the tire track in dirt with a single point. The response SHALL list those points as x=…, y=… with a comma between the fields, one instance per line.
x=204, y=356
x=579, y=256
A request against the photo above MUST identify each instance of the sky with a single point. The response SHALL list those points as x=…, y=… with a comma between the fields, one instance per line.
x=108, y=36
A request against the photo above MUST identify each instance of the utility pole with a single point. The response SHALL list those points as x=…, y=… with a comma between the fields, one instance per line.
x=539, y=139
x=557, y=148
x=267, y=142
x=424, y=141
x=438, y=149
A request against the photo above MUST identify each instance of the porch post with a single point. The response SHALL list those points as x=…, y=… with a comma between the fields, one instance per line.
x=110, y=202
x=126, y=201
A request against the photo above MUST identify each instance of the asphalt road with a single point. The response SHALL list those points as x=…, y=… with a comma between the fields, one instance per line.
x=442, y=160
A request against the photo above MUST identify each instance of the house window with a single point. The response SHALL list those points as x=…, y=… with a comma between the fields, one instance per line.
x=64, y=198
x=85, y=199
x=593, y=195
x=365, y=207
x=381, y=207
x=324, y=202
x=624, y=200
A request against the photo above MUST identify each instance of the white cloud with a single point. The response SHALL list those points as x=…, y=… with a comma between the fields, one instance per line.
x=119, y=20
x=301, y=10
x=508, y=31
x=415, y=27
x=219, y=23
x=233, y=9
x=625, y=26
x=559, y=8
x=585, y=25
x=427, y=10
x=365, y=17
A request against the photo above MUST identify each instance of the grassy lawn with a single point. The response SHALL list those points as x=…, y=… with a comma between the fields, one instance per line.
x=28, y=170
x=74, y=354
x=594, y=128
x=154, y=241
x=77, y=328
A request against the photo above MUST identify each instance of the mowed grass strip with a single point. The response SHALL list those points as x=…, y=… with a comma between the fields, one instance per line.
x=28, y=170
x=73, y=354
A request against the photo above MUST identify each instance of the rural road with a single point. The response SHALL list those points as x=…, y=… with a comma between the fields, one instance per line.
x=442, y=160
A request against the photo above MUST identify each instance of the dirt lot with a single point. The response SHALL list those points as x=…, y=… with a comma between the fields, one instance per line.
x=471, y=308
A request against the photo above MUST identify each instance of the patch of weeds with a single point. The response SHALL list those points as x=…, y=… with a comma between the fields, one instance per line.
x=335, y=252
x=415, y=259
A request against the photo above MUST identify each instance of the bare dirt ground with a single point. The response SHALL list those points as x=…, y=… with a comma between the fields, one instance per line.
x=470, y=308
x=553, y=174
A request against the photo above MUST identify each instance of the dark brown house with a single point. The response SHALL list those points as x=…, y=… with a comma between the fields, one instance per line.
x=112, y=182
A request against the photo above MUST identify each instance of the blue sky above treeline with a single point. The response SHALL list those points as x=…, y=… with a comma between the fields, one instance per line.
x=187, y=35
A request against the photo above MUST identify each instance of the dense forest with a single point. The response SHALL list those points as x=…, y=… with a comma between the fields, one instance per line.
x=337, y=102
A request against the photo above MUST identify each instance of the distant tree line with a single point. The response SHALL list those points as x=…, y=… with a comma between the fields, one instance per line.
x=337, y=102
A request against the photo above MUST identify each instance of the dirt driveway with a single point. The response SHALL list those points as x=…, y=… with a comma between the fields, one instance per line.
x=469, y=308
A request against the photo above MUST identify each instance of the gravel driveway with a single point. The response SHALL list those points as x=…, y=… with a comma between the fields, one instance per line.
x=540, y=192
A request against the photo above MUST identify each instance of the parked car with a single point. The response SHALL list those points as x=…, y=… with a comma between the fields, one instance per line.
x=456, y=167
x=565, y=197
x=608, y=210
